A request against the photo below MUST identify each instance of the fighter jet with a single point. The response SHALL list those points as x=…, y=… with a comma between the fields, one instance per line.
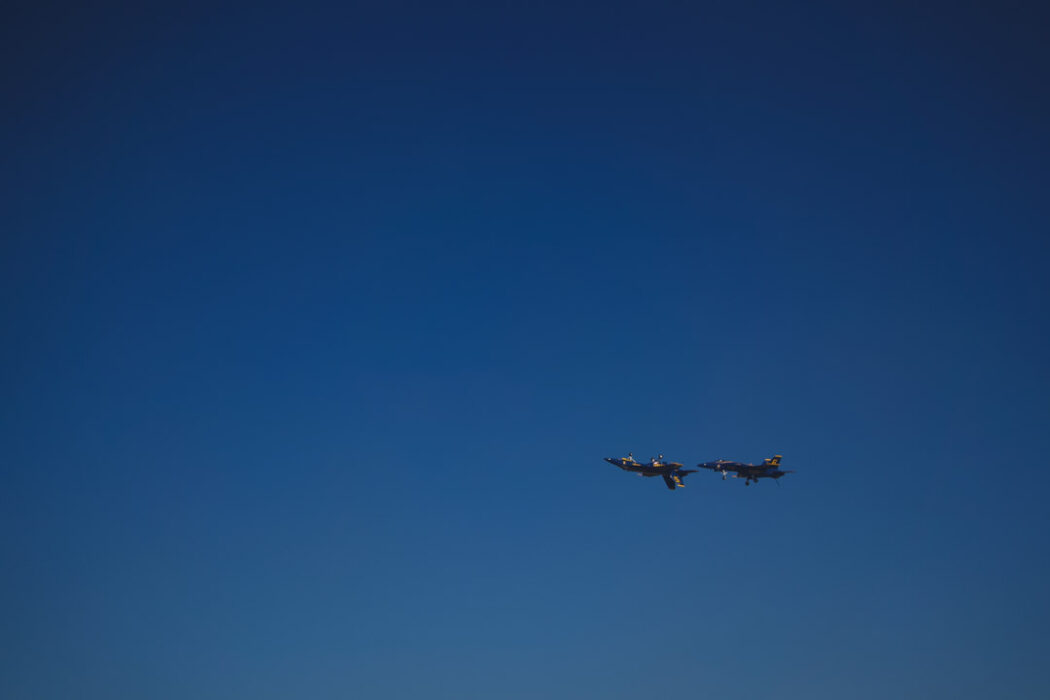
x=672, y=472
x=769, y=469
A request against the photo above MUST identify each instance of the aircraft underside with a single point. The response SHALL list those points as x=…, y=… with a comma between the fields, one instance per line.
x=673, y=479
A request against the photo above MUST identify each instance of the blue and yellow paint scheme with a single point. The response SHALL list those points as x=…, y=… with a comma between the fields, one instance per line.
x=672, y=472
x=769, y=469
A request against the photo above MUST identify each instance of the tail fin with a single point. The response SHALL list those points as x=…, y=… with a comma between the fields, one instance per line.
x=676, y=479
x=774, y=461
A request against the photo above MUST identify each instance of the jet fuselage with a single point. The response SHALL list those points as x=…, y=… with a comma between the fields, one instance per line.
x=672, y=472
x=769, y=469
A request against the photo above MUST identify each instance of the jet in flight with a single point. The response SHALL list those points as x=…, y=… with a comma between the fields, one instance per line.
x=769, y=469
x=672, y=472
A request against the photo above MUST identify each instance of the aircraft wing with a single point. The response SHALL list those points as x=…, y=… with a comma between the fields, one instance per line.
x=669, y=481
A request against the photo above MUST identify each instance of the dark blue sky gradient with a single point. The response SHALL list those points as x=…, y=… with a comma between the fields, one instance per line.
x=318, y=323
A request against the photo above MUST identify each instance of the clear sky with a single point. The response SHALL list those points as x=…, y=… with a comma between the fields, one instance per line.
x=318, y=323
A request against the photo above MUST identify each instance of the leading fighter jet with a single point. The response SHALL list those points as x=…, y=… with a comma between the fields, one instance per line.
x=769, y=469
x=672, y=472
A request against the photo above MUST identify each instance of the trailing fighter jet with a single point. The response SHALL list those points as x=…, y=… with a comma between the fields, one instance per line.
x=672, y=472
x=769, y=469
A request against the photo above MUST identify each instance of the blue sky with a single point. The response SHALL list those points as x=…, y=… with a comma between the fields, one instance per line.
x=319, y=322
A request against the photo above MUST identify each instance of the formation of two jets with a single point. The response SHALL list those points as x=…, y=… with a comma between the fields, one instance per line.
x=673, y=474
